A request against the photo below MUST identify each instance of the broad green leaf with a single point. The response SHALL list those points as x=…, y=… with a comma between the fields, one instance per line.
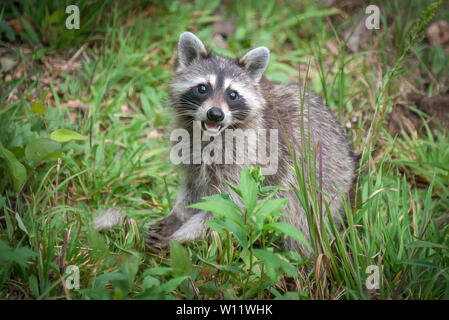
x=274, y=261
x=121, y=286
x=38, y=108
x=218, y=203
x=248, y=188
x=216, y=225
x=149, y=282
x=289, y=269
x=272, y=207
x=271, y=261
x=180, y=261
x=290, y=231
x=64, y=135
x=34, y=287
x=97, y=293
x=268, y=208
x=103, y=279
x=221, y=205
x=19, y=255
x=96, y=242
x=239, y=230
x=172, y=284
x=17, y=169
x=268, y=257
x=42, y=149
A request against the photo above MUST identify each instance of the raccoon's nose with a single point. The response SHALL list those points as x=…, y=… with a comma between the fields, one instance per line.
x=215, y=115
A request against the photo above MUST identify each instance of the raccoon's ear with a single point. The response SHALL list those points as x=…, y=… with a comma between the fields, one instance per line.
x=256, y=61
x=189, y=49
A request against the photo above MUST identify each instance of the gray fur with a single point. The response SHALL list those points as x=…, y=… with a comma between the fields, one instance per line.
x=189, y=49
x=269, y=105
x=109, y=218
x=256, y=61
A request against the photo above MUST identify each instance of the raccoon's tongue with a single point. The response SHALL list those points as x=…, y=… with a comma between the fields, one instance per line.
x=212, y=126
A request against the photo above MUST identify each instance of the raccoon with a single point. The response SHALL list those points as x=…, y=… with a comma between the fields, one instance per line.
x=221, y=94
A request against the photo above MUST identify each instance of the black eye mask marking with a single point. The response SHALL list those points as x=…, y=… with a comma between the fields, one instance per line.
x=237, y=104
x=195, y=96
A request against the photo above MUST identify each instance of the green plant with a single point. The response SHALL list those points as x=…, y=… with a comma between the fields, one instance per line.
x=241, y=230
x=22, y=148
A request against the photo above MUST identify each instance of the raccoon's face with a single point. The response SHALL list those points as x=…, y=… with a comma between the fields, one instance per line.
x=218, y=92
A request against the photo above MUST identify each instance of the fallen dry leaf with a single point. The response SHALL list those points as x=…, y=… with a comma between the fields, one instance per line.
x=7, y=63
x=16, y=25
x=438, y=33
x=75, y=104
x=124, y=108
x=154, y=134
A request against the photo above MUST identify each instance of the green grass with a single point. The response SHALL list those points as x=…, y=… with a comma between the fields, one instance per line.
x=116, y=98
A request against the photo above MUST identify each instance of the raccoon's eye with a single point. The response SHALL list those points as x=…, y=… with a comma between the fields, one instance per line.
x=202, y=89
x=233, y=95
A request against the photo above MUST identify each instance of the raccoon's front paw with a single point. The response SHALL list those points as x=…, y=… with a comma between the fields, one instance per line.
x=158, y=236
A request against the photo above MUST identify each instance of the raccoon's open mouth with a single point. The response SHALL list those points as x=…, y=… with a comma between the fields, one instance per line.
x=211, y=128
